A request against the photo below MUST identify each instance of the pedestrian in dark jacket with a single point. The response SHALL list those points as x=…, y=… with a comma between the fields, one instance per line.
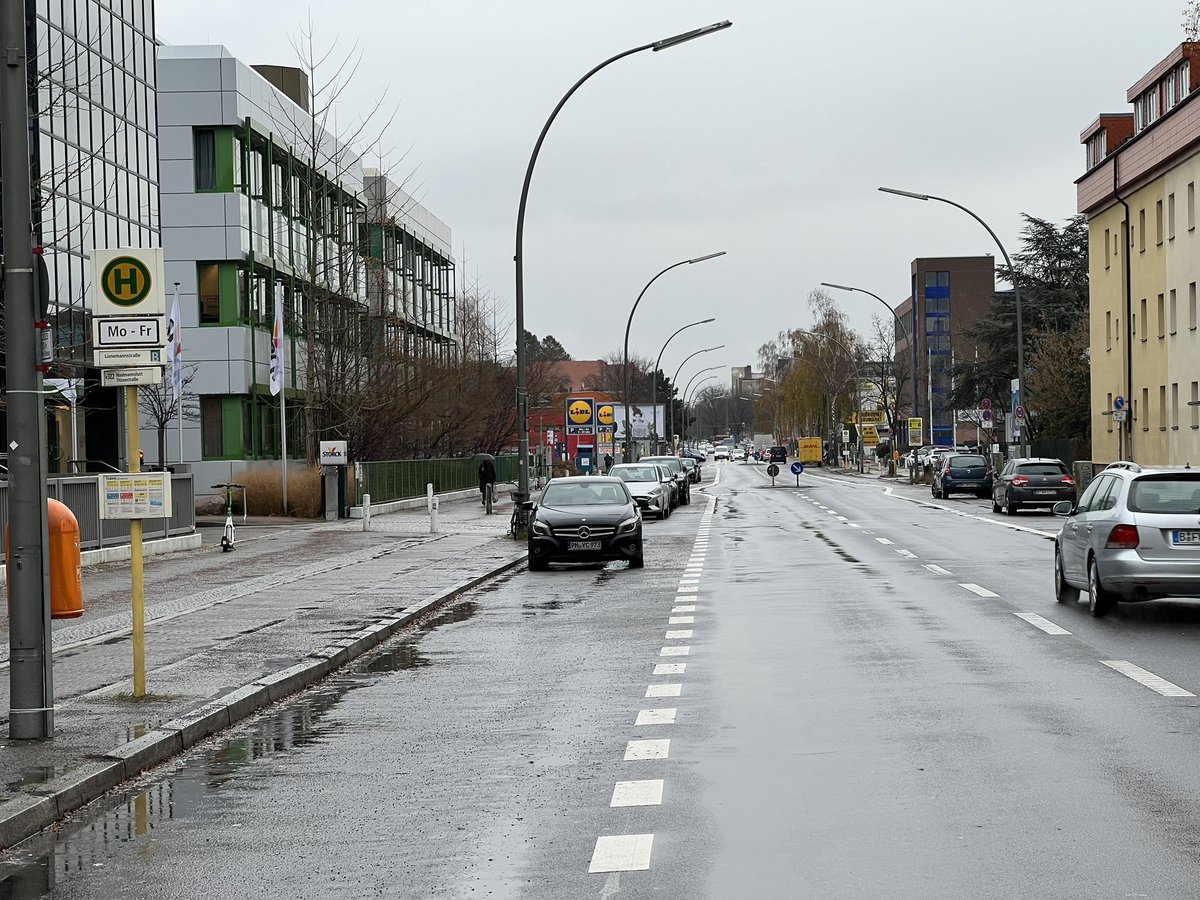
x=608, y=463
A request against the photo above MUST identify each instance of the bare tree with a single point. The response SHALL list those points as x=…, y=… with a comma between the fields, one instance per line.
x=886, y=375
x=160, y=407
x=1191, y=20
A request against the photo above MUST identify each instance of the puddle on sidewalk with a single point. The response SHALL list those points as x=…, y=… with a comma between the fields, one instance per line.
x=190, y=788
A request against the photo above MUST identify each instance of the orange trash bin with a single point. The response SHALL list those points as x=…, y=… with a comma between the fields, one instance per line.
x=66, y=567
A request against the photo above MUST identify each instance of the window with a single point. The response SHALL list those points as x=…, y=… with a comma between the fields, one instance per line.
x=1192, y=306
x=1170, y=91
x=1171, y=217
x=1161, y=319
x=1145, y=410
x=1191, y=206
x=1108, y=329
x=1175, y=406
x=1097, y=489
x=1145, y=322
x=208, y=279
x=1108, y=419
x=1174, y=312
x=1158, y=222
x=1184, y=82
x=1142, y=230
x=210, y=427
x=204, y=151
x=1195, y=404
x=1107, y=247
x=1162, y=407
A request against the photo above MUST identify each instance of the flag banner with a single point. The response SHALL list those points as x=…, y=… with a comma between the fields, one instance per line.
x=277, y=349
x=174, y=347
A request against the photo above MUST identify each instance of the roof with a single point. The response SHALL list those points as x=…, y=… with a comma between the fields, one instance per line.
x=581, y=374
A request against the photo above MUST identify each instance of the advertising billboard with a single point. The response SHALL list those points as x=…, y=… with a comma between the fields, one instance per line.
x=641, y=417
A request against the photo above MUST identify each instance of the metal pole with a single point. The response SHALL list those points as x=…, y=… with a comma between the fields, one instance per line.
x=138, y=592
x=657, y=364
x=31, y=683
x=675, y=380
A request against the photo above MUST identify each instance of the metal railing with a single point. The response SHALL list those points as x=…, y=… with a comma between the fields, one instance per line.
x=81, y=494
x=403, y=479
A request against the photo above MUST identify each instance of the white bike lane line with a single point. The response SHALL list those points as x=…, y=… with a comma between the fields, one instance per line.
x=616, y=853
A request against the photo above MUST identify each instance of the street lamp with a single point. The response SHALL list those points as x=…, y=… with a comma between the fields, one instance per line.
x=675, y=381
x=657, y=363
x=1016, y=293
x=912, y=337
x=698, y=383
x=693, y=380
x=628, y=452
x=519, y=256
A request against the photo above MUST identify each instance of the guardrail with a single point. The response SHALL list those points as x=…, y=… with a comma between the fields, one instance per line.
x=404, y=479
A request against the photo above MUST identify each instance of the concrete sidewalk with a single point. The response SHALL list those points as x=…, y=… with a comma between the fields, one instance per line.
x=226, y=634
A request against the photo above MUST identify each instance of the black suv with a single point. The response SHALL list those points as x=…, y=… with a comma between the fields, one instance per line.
x=778, y=454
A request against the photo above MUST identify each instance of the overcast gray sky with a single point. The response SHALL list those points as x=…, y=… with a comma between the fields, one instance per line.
x=766, y=140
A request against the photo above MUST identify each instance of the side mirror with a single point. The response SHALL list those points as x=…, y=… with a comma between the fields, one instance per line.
x=1064, y=508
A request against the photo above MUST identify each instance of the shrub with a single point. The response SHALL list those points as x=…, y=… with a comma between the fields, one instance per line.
x=264, y=492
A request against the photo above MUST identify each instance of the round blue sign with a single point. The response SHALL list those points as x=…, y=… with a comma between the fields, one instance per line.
x=797, y=468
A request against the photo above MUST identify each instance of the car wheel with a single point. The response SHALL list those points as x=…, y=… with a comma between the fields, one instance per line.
x=1010, y=507
x=1100, y=601
x=1063, y=592
x=687, y=497
x=638, y=560
x=995, y=505
x=538, y=565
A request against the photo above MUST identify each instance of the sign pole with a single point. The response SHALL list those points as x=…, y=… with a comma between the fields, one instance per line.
x=135, y=550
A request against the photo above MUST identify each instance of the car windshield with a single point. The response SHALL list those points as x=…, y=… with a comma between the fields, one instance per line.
x=578, y=494
x=669, y=461
x=960, y=462
x=1166, y=494
x=1041, y=469
x=637, y=473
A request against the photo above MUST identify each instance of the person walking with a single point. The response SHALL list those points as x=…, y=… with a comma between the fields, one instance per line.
x=608, y=463
x=487, y=479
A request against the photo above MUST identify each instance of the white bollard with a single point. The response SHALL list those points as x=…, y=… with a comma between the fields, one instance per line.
x=366, y=512
x=429, y=497
x=433, y=514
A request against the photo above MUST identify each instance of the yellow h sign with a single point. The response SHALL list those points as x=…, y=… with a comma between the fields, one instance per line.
x=125, y=281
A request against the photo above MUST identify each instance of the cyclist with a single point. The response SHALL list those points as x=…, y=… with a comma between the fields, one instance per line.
x=487, y=479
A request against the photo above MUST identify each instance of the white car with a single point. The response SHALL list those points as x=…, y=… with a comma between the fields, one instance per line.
x=737, y=453
x=720, y=453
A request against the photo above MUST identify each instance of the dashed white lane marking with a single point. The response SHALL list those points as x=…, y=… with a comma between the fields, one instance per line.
x=664, y=690
x=938, y=570
x=854, y=525
x=1045, y=624
x=683, y=609
x=907, y=554
x=830, y=511
x=637, y=793
x=656, y=717
x=1147, y=679
x=883, y=540
x=981, y=591
x=679, y=635
x=655, y=749
x=675, y=651
x=669, y=669
x=688, y=589
x=622, y=853
x=681, y=620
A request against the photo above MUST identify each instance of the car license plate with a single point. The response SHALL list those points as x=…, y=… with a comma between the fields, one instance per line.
x=585, y=545
x=1043, y=493
x=1185, y=537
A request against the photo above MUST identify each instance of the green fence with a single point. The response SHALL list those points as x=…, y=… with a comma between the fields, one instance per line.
x=401, y=479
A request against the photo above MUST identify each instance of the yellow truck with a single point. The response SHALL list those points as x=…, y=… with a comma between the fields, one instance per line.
x=810, y=451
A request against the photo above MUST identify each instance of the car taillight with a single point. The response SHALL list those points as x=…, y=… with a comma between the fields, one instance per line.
x=1067, y=479
x=1122, y=537
x=1020, y=481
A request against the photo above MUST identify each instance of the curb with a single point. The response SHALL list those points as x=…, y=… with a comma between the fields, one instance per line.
x=123, y=552
x=39, y=806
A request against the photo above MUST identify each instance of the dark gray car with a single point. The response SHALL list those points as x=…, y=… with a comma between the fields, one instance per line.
x=1033, y=481
x=585, y=519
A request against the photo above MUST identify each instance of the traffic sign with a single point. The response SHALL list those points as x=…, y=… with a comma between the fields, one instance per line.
x=915, y=426
x=772, y=470
x=128, y=281
x=128, y=331
x=987, y=415
x=129, y=377
x=1020, y=412
x=127, y=358
x=870, y=436
x=845, y=436
x=1118, y=402
x=985, y=403
x=797, y=468
x=1119, y=415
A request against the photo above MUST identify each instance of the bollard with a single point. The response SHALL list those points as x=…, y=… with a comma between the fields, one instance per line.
x=433, y=515
x=366, y=512
x=429, y=497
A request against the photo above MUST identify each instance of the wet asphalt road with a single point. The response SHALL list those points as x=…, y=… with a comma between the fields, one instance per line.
x=861, y=712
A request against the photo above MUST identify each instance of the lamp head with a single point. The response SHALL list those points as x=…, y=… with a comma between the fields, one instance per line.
x=709, y=256
x=838, y=287
x=676, y=40
x=900, y=193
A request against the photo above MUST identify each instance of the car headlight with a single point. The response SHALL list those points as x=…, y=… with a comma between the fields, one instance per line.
x=540, y=527
x=628, y=525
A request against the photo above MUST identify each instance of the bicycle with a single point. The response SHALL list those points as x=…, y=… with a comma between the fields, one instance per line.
x=227, y=537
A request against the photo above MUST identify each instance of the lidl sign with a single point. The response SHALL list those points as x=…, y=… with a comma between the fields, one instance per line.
x=606, y=418
x=581, y=415
x=128, y=281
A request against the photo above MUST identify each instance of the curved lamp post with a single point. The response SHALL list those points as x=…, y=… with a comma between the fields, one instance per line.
x=628, y=452
x=519, y=258
x=698, y=383
x=912, y=337
x=657, y=363
x=1016, y=297
x=693, y=381
x=675, y=381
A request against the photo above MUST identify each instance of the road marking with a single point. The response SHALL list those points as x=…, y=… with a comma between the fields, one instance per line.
x=683, y=609
x=1045, y=624
x=681, y=620
x=883, y=540
x=655, y=749
x=637, y=793
x=622, y=853
x=976, y=589
x=937, y=570
x=854, y=525
x=689, y=589
x=689, y=579
x=656, y=717
x=679, y=635
x=675, y=651
x=1147, y=679
x=907, y=554
x=664, y=690
x=669, y=669
x=830, y=511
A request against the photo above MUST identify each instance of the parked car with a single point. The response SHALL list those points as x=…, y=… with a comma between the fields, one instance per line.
x=651, y=486
x=1032, y=481
x=720, y=453
x=585, y=519
x=673, y=465
x=691, y=467
x=1134, y=535
x=962, y=473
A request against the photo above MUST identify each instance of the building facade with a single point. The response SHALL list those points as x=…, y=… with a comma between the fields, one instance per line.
x=1139, y=197
x=95, y=184
x=948, y=295
x=260, y=205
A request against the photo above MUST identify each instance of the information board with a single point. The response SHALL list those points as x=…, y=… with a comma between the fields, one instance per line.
x=140, y=495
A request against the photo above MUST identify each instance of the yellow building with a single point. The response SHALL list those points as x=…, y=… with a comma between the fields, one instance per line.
x=1139, y=197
